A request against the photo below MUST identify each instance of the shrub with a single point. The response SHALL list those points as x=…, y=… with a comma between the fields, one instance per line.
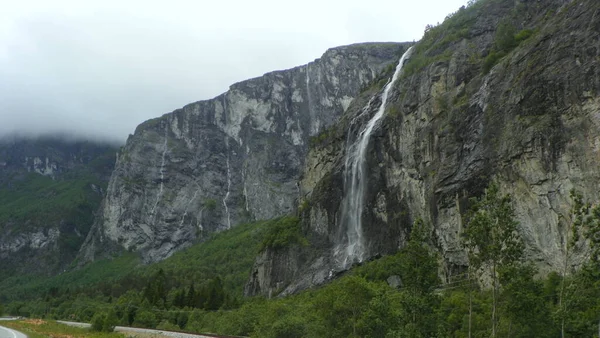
x=505, y=37
x=210, y=204
x=104, y=321
x=491, y=60
x=145, y=318
x=283, y=232
x=167, y=326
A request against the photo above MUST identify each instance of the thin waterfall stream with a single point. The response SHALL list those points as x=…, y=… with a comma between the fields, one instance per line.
x=352, y=249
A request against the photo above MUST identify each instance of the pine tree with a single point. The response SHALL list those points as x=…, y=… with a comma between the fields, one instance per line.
x=191, y=296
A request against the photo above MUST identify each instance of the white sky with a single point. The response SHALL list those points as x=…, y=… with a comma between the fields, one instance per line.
x=99, y=68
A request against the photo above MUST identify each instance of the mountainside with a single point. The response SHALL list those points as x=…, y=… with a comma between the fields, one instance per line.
x=237, y=157
x=49, y=192
x=502, y=91
x=445, y=188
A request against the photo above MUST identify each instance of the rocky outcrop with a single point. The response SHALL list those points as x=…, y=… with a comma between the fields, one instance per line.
x=49, y=191
x=237, y=157
x=530, y=123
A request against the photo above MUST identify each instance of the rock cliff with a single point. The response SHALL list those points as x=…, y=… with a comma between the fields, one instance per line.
x=502, y=91
x=216, y=163
x=49, y=191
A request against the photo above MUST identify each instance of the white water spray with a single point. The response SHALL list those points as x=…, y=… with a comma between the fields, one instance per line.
x=228, y=170
x=308, y=85
x=228, y=185
x=162, y=174
x=188, y=205
x=314, y=121
x=352, y=249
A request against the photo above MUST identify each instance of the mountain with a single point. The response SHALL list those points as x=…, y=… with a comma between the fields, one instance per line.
x=237, y=157
x=346, y=192
x=50, y=189
x=502, y=92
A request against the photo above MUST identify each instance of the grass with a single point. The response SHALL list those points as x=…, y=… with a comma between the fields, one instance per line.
x=42, y=329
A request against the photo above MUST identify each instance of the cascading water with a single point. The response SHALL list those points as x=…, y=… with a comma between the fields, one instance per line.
x=352, y=248
x=162, y=175
x=226, y=197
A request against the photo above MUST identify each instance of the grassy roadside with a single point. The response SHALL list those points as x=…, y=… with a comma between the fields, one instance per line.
x=37, y=328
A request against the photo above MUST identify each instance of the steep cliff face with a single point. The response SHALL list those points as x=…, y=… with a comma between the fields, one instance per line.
x=49, y=191
x=503, y=91
x=216, y=163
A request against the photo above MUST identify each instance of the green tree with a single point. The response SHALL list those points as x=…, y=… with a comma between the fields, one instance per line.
x=104, y=321
x=420, y=278
x=573, y=225
x=505, y=36
x=215, y=294
x=145, y=318
x=342, y=307
x=491, y=238
x=191, y=298
x=523, y=305
x=156, y=289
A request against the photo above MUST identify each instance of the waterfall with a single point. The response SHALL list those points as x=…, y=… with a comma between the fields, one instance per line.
x=228, y=185
x=228, y=172
x=188, y=205
x=162, y=174
x=352, y=248
x=308, y=86
x=315, y=124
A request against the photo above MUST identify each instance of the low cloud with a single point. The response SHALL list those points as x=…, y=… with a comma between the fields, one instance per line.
x=98, y=71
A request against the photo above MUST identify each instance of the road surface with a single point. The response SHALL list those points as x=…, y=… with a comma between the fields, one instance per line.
x=137, y=330
x=10, y=333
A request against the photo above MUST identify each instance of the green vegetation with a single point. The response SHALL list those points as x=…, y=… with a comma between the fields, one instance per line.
x=199, y=289
x=434, y=46
x=438, y=41
x=222, y=264
x=37, y=199
x=100, y=273
x=492, y=241
x=323, y=138
x=104, y=321
x=506, y=39
x=44, y=329
x=210, y=204
x=283, y=232
x=30, y=202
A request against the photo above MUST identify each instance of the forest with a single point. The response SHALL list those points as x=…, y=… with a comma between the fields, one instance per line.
x=402, y=295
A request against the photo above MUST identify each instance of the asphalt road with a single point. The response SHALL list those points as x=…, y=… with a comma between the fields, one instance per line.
x=138, y=330
x=10, y=333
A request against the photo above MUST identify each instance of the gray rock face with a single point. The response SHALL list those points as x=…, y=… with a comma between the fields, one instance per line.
x=38, y=234
x=237, y=157
x=531, y=125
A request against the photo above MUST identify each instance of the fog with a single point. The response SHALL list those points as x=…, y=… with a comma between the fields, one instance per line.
x=97, y=69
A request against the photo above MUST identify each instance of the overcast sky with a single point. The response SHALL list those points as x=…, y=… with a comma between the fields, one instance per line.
x=99, y=68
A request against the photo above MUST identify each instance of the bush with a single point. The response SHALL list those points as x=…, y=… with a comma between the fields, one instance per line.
x=167, y=326
x=523, y=35
x=145, y=318
x=104, y=321
x=505, y=37
x=491, y=60
x=283, y=232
